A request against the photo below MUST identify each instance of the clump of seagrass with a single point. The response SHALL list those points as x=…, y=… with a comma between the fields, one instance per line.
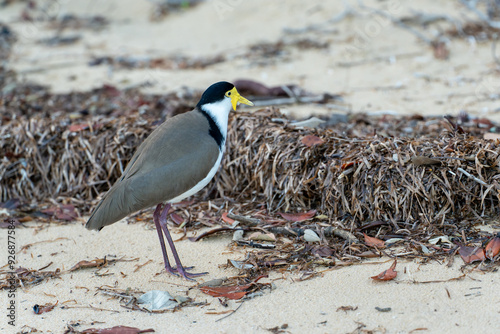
x=364, y=179
x=353, y=174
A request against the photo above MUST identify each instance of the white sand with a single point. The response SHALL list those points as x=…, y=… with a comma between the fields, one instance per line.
x=309, y=306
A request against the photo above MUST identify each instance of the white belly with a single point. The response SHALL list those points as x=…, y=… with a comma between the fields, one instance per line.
x=200, y=184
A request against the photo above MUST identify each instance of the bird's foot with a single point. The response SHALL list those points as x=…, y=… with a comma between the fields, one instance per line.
x=182, y=271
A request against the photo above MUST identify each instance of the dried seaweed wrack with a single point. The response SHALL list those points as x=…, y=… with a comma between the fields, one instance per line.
x=352, y=174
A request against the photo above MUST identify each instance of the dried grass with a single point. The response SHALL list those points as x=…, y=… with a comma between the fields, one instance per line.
x=353, y=175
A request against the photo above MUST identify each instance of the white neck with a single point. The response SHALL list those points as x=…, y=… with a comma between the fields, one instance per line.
x=219, y=112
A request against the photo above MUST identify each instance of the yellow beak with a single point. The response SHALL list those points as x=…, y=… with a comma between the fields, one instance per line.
x=236, y=97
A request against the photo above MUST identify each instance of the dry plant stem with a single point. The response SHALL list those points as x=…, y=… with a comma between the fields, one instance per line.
x=246, y=220
x=472, y=177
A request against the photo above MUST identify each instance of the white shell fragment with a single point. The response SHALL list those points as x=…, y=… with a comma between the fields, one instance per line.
x=441, y=239
x=238, y=235
x=241, y=264
x=311, y=236
x=157, y=300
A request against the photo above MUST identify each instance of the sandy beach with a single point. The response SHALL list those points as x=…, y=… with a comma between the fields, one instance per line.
x=376, y=66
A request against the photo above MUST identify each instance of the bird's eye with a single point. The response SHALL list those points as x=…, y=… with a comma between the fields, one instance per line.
x=228, y=93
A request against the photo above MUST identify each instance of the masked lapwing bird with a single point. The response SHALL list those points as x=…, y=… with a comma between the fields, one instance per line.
x=177, y=160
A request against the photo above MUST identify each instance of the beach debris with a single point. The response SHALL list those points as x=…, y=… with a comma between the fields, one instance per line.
x=227, y=219
x=139, y=266
x=352, y=179
x=234, y=291
x=298, y=217
x=60, y=40
x=424, y=161
x=23, y=277
x=40, y=309
x=157, y=300
x=163, y=8
x=311, y=236
x=238, y=235
x=443, y=239
x=493, y=247
x=10, y=204
x=117, y=330
x=28, y=246
x=347, y=308
x=98, y=263
x=65, y=212
x=471, y=254
x=383, y=309
x=279, y=329
x=241, y=264
x=229, y=292
x=206, y=234
x=260, y=236
x=78, y=22
x=253, y=244
x=311, y=140
x=178, y=220
x=374, y=242
x=388, y=274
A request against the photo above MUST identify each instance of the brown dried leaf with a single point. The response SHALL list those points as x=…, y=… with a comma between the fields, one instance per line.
x=388, y=274
x=231, y=292
x=471, y=254
x=374, y=242
x=311, y=140
x=493, y=247
x=298, y=217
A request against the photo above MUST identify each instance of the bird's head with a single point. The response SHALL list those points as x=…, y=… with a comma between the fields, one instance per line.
x=222, y=93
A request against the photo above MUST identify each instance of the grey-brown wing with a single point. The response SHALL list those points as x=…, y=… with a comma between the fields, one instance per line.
x=157, y=174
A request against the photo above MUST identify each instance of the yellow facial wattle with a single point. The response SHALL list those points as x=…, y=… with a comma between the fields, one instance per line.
x=236, y=97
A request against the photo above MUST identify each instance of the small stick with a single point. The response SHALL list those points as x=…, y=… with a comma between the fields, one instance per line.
x=224, y=317
x=246, y=220
x=472, y=177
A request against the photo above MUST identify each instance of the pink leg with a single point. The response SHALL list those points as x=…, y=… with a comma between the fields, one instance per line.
x=160, y=219
x=156, y=219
